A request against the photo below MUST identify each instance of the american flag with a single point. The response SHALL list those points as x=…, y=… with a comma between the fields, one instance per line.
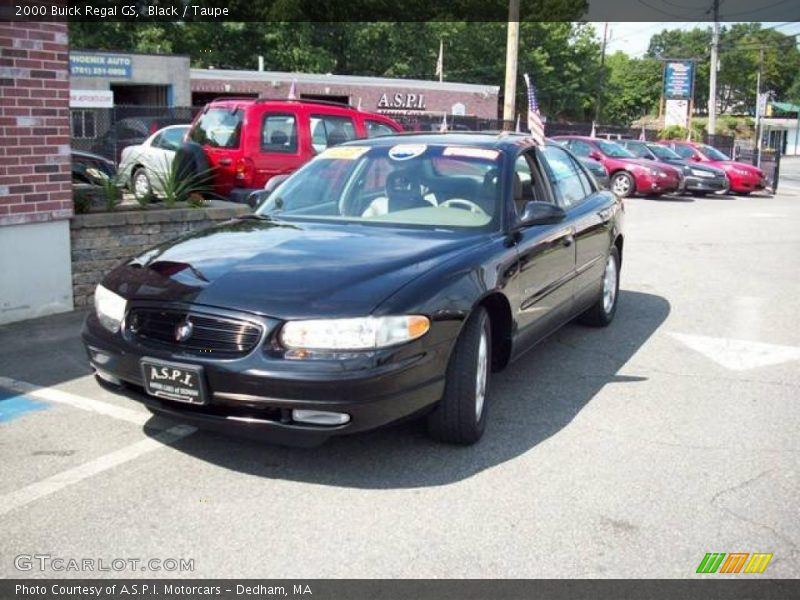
x=535, y=123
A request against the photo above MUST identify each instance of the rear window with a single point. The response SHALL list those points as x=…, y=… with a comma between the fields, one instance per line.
x=330, y=130
x=376, y=129
x=218, y=128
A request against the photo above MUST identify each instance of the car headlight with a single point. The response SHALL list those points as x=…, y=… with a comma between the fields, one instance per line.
x=364, y=333
x=699, y=173
x=657, y=172
x=110, y=308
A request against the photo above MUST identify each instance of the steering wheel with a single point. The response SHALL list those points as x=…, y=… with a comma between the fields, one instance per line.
x=465, y=204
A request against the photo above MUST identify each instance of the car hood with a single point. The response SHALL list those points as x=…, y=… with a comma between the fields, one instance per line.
x=284, y=270
x=727, y=165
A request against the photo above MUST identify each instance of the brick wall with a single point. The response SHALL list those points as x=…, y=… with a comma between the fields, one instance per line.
x=34, y=123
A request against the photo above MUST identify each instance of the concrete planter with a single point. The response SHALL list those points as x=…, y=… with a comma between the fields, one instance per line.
x=100, y=241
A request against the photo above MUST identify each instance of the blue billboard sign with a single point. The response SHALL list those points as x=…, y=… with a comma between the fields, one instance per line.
x=679, y=79
x=112, y=66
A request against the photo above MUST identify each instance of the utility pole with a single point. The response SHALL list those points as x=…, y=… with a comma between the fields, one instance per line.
x=758, y=106
x=712, y=83
x=512, y=50
x=602, y=74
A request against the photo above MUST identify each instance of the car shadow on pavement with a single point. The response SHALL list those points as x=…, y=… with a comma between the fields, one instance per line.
x=532, y=400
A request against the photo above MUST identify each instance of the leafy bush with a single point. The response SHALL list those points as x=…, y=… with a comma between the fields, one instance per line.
x=188, y=186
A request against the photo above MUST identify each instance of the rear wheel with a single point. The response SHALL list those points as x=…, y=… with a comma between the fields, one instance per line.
x=602, y=312
x=460, y=416
x=622, y=184
x=140, y=184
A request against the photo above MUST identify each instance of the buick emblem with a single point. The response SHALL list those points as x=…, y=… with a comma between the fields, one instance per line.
x=184, y=331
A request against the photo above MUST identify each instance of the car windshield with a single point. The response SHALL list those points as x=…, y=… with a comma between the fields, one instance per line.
x=613, y=150
x=663, y=152
x=407, y=184
x=218, y=127
x=713, y=153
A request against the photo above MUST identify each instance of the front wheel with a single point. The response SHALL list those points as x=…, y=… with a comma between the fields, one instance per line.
x=460, y=416
x=622, y=184
x=602, y=312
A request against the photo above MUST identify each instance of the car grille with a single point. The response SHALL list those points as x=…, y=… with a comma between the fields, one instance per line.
x=210, y=334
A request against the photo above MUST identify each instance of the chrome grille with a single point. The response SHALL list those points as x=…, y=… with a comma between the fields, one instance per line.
x=210, y=334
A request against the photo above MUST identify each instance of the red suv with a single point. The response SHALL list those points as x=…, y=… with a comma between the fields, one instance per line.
x=743, y=178
x=249, y=141
x=628, y=174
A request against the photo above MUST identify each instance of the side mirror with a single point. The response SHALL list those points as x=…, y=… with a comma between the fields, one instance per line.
x=259, y=196
x=594, y=154
x=696, y=158
x=541, y=213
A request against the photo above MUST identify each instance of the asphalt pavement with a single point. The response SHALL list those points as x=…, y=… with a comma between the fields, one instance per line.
x=630, y=451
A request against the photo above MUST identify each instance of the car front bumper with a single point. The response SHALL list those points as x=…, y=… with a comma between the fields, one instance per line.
x=705, y=184
x=254, y=395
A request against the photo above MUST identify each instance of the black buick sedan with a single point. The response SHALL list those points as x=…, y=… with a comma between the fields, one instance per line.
x=387, y=278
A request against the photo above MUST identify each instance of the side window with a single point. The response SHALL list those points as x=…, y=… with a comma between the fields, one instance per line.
x=171, y=139
x=158, y=141
x=638, y=149
x=522, y=186
x=684, y=151
x=279, y=134
x=580, y=148
x=330, y=130
x=376, y=129
x=569, y=182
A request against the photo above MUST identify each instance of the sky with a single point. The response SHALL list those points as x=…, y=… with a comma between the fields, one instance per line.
x=633, y=38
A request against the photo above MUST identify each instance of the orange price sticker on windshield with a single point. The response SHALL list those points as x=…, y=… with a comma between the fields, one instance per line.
x=344, y=152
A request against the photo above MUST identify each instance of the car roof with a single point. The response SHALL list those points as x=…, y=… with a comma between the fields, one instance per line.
x=483, y=139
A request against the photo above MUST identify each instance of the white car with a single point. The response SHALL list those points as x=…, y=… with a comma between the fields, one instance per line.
x=145, y=165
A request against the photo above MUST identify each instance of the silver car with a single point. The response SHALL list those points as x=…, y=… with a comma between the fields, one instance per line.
x=145, y=166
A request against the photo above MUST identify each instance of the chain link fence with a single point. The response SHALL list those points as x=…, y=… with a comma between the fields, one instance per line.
x=106, y=131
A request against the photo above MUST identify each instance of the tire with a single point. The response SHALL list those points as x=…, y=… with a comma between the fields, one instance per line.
x=622, y=184
x=460, y=416
x=602, y=312
x=140, y=184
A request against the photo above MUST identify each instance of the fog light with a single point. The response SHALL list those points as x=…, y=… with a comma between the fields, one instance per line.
x=108, y=377
x=320, y=417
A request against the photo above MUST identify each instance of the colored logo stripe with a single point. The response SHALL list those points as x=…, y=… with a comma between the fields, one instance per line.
x=711, y=562
x=758, y=562
x=734, y=562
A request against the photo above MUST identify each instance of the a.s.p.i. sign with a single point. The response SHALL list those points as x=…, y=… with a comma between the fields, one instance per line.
x=678, y=79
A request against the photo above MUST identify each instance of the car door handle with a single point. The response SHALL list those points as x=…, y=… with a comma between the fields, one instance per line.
x=567, y=241
x=225, y=162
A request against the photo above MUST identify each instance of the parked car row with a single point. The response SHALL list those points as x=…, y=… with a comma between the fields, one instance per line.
x=669, y=166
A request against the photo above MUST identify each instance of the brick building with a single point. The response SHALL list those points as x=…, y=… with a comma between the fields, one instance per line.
x=35, y=188
x=375, y=94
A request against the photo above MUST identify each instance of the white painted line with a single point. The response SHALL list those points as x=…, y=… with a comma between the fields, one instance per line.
x=51, y=485
x=49, y=394
x=739, y=355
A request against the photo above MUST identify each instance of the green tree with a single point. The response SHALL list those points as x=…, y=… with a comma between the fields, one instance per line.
x=632, y=88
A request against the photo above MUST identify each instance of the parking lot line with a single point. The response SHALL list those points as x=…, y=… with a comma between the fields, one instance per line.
x=49, y=394
x=40, y=489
